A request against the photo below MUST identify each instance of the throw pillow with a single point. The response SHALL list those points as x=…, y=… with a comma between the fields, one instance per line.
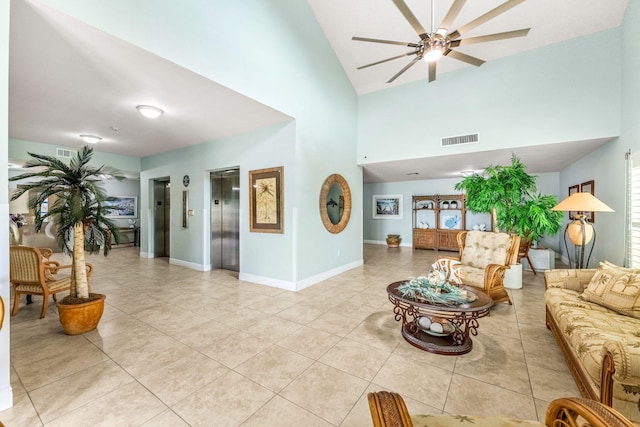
x=616, y=288
x=451, y=267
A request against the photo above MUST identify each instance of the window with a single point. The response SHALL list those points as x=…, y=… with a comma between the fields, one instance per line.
x=633, y=210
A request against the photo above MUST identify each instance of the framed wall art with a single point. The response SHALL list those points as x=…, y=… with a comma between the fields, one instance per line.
x=122, y=207
x=573, y=189
x=588, y=187
x=387, y=206
x=266, y=200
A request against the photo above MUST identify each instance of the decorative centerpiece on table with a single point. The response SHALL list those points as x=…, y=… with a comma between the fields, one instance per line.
x=434, y=289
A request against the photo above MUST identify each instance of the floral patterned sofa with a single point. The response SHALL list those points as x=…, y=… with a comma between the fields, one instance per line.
x=594, y=315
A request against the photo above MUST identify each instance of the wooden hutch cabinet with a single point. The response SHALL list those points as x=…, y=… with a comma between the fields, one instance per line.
x=437, y=219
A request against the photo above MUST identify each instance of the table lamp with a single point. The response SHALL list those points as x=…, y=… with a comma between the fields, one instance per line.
x=580, y=230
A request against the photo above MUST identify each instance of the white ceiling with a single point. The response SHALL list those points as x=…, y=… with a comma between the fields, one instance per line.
x=551, y=21
x=67, y=78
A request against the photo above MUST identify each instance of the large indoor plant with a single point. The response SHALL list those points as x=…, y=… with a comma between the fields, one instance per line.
x=77, y=206
x=510, y=193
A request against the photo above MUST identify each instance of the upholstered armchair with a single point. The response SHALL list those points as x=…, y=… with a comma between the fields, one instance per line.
x=389, y=410
x=484, y=257
x=31, y=273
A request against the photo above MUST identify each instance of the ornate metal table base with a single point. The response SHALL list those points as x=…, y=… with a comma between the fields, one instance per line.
x=463, y=318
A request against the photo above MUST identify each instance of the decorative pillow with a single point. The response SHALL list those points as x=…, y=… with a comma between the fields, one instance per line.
x=616, y=288
x=451, y=267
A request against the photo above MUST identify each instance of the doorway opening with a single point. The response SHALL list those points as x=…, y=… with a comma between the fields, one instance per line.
x=225, y=219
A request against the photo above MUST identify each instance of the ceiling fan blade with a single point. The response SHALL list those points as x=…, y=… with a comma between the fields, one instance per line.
x=366, y=39
x=406, y=67
x=450, y=17
x=484, y=18
x=409, y=16
x=387, y=60
x=432, y=71
x=464, y=58
x=490, y=37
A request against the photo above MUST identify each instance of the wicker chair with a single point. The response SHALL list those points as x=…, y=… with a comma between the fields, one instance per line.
x=389, y=410
x=32, y=274
x=484, y=257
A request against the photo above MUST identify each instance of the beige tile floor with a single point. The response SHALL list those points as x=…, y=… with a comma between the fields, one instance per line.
x=177, y=347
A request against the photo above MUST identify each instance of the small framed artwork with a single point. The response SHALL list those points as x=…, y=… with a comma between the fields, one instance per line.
x=387, y=207
x=122, y=207
x=588, y=187
x=266, y=200
x=573, y=189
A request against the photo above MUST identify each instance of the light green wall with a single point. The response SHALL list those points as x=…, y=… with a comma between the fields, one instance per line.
x=274, y=52
x=607, y=165
x=568, y=91
x=6, y=395
x=375, y=230
x=19, y=150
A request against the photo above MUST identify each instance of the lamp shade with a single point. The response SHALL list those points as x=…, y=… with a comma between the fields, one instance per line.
x=584, y=202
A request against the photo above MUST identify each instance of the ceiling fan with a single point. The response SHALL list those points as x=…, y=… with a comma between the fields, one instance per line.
x=436, y=44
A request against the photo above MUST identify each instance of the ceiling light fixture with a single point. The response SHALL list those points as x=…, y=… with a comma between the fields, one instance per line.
x=150, y=112
x=90, y=139
x=434, y=48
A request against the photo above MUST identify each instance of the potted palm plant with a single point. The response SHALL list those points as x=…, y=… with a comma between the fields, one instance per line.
x=78, y=208
x=510, y=194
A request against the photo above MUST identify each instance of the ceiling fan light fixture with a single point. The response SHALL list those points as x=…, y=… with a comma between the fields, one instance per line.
x=90, y=139
x=432, y=53
x=149, y=111
x=434, y=48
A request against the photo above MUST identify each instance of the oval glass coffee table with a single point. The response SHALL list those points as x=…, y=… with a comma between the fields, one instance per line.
x=456, y=323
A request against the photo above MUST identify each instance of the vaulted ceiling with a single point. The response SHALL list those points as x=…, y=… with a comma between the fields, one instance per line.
x=67, y=78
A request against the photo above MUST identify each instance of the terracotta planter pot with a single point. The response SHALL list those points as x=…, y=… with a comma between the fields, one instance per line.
x=79, y=319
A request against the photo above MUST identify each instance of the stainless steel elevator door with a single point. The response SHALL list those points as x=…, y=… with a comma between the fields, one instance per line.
x=225, y=220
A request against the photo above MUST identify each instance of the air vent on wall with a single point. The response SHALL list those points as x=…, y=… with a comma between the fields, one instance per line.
x=65, y=153
x=461, y=139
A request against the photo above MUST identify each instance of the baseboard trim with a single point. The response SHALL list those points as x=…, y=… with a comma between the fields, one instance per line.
x=302, y=284
x=187, y=264
x=6, y=398
x=384, y=242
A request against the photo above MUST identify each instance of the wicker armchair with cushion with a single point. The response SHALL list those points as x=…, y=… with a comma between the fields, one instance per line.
x=484, y=257
x=389, y=410
x=31, y=274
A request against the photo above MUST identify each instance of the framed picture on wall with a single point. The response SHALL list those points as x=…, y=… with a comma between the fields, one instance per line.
x=588, y=187
x=266, y=200
x=387, y=207
x=122, y=207
x=573, y=189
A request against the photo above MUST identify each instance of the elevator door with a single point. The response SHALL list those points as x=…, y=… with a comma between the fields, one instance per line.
x=162, y=217
x=225, y=218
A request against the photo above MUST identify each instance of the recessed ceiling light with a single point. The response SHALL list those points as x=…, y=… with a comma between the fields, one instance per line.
x=149, y=111
x=90, y=139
